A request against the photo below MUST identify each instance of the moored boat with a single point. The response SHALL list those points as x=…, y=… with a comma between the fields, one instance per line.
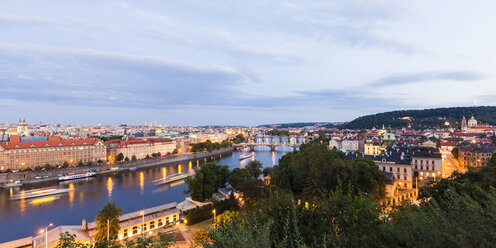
x=77, y=176
x=245, y=156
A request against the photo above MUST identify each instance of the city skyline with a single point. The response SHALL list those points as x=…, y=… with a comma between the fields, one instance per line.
x=228, y=64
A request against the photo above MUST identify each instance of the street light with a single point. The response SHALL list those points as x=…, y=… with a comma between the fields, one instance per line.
x=46, y=233
x=215, y=219
x=143, y=224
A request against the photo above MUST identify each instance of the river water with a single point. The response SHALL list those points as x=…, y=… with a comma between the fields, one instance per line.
x=131, y=191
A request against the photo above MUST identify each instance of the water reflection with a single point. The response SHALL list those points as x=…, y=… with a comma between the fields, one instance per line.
x=71, y=195
x=142, y=182
x=44, y=200
x=164, y=172
x=110, y=186
x=190, y=165
x=179, y=169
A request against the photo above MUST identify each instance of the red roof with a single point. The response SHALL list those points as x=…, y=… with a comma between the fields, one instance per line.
x=53, y=141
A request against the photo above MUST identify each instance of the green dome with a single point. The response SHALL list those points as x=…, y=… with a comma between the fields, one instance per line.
x=389, y=137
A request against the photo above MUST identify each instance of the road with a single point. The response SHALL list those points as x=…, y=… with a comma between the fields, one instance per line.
x=450, y=164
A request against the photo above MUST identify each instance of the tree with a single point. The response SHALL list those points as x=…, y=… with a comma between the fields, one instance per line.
x=252, y=190
x=126, y=159
x=108, y=219
x=267, y=171
x=119, y=157
x=207, y=181
x=80, y=163
x=65, y=165
x=100, y=161
x=237, y=176
x=314, y=170
x=47, y=166
x=133, y=157
x=454, y=152
x=255, y=168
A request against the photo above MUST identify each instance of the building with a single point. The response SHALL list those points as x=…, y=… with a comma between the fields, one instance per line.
x=23, y=152
x=427, y=164
x=351, y=145
x=472, y=123
x=141, y=148
x=135, y=223
x=475, y=155
x=373, y=148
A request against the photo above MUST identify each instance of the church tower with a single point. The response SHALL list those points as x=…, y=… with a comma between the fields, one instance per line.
x=464, y=124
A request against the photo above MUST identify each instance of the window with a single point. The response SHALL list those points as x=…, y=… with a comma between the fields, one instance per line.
x=404, y=178
x=398, y=176
x=404, y=170
x=167, y=220
x=427, y=167
x=421, y=161
x=384, y=168
x=144, y=227
x=416, y=167
x=160, y=222
x=398, y=169
x=415, y=161
x=152, y=224
x=175, y=218
x=125, y=232
x=135, y=230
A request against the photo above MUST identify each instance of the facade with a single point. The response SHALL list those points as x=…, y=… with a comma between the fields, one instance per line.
x=140, y=148
x=427, y=164
x=351, y=145
x=475, y=156
x=22, y=152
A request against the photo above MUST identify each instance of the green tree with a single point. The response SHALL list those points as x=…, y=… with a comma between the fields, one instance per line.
x=133, y=157
x=108, y=219
x=237, y=176
x=207, y=181
x=65, y=165
x=255, y=168
x=119, y=157
x=80, y=163
x=126, y=159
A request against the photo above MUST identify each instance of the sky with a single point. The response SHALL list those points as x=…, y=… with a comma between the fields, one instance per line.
x=241, y=63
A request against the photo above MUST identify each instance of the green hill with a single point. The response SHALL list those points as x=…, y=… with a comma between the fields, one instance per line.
x=422, y=119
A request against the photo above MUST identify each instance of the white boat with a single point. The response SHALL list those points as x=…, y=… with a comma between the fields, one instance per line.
x=132, y=168
x=13, y=184
x=172, y=178
x=77, y=176
x=245, y=156
x=40, y=193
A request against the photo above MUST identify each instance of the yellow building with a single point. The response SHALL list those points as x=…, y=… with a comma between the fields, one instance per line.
x=373, y=148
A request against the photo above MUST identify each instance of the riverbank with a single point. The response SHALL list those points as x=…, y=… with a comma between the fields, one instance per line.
x=28, y=177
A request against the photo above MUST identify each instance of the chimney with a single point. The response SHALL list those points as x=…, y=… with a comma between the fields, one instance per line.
x=83, y=225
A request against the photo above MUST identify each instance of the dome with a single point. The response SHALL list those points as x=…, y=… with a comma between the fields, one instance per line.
x=389, y=137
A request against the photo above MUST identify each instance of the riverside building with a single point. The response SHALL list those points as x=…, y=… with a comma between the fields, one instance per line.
x=28, y=152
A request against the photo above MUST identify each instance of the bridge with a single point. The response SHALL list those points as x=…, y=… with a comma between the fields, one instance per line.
x=270, y=142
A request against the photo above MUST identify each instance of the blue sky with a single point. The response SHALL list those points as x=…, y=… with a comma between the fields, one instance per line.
x=231, y=62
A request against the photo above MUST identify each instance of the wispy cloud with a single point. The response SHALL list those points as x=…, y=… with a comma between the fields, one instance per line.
x=402, y=79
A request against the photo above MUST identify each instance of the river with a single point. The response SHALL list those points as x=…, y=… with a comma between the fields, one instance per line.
x=131, y=191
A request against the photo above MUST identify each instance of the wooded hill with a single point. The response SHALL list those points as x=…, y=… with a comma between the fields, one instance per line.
x=422, y=119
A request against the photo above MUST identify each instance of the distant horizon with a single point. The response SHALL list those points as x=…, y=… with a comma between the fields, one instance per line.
x=28, y=121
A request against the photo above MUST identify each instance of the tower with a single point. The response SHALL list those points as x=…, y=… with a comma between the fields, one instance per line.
x=464, y=124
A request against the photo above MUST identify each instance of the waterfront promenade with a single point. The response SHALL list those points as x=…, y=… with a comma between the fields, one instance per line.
x=28, y=177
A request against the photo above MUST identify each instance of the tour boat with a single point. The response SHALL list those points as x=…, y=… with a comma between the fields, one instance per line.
x=171, y=178
x=40, y=192
x=13, y=184
x=245, y=156
x=77, y=176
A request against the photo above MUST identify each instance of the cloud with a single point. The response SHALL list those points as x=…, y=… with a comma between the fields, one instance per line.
x=402, y=79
